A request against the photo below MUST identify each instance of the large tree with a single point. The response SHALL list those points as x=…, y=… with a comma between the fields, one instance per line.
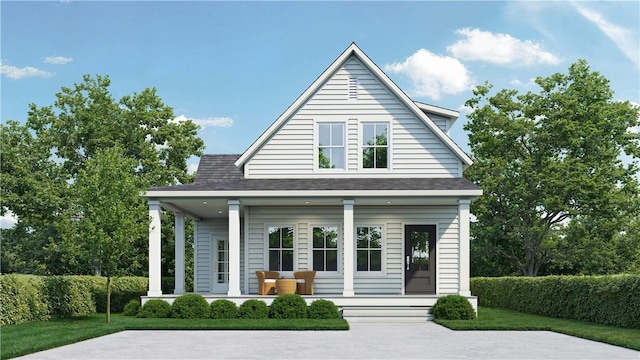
x=42, y=158
x=543, y=159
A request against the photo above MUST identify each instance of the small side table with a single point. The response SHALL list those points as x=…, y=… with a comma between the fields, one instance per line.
x=286, y=286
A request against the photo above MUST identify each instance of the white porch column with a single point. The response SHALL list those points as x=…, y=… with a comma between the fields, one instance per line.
x=234, y=248
x=465, y=249
x=348, y=244
x=179, y=260
x=155, y=272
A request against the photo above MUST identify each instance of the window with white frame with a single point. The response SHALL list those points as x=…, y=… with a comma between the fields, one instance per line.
x=281, y=248
x=375, y=145
x=325, y=248
x=331, y=151
x=369, y=248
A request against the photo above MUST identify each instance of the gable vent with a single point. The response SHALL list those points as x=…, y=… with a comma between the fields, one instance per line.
x=353, y=88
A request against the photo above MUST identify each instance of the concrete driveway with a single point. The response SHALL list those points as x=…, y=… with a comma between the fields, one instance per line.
x=364, y=341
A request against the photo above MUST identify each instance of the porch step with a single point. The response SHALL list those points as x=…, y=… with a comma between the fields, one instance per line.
x=387, y=313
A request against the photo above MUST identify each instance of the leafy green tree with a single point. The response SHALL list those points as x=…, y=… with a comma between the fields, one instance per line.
x=42, y=159
x=545, y=158
x=113, y=213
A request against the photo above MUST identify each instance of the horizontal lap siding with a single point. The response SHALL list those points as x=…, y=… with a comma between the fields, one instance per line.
x=416, y=151
x=204, y=255
x=392, y=218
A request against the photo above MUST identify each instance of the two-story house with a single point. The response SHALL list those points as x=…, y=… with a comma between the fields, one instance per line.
x=354, y=180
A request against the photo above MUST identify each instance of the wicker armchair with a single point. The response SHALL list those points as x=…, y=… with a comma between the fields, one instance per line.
x=267, y=282
x=305, y=281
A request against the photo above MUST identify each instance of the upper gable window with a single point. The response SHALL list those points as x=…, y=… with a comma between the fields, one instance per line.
x=331, y=146
x=375, y=145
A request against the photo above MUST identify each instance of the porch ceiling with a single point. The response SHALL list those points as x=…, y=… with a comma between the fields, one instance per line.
x=210, y=207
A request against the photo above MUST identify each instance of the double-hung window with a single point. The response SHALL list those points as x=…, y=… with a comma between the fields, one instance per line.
x=369, y=248
x=325, y=248
x=281, y=248
x=331, y=151
x=375, y=145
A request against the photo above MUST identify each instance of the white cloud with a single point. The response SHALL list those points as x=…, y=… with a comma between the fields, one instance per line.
x=624, y=39
x=57, y=60
x=502, y=49
x=433, y=75
x=8, y=220
x=208, y=122
x=16, y=73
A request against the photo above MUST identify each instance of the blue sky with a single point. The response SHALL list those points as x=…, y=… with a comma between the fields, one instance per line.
x=234, y=67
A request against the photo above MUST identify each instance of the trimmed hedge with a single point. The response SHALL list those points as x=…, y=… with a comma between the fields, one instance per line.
x=609, y=300
x=155, y=308
x=323, y=309
x=288, y=306
x=132, y=308
x=21, y=301
x=453, y=307
x=253, y=309
x=190, y=306
x=68, y=297
x=224, y=309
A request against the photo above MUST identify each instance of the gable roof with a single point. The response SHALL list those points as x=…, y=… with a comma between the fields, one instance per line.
x=354, y=50
x=218, y=173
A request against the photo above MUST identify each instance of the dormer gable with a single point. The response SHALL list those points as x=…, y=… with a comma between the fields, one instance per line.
x=351, y=101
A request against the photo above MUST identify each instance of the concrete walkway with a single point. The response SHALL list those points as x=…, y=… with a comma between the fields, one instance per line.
x=364, y=341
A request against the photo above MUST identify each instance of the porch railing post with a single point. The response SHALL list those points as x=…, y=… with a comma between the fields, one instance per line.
x=179, y=249
x=155, y=269
x=234, y=248
x=465, y=256
x=348, y=244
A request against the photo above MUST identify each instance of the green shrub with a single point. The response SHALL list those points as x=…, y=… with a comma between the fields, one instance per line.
x=453, y=307
x=21, y=301
x=68, y=296
x=224, y=309
x=323, y=309
x=155, y=308
x=609, y=300
x=132, y=308
x=288, y=306
x=190, y=306
x=253, y=309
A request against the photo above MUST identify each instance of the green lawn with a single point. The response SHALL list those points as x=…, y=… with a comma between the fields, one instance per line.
x=499, y=319
x=27, y=338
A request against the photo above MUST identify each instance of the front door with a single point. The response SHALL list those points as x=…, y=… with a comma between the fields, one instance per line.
x=420, y=259
x=220, y=266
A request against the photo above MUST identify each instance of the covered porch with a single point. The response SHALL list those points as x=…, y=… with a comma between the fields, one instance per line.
x=235, y=214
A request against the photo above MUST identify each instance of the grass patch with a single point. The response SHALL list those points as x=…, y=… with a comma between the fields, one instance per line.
x=28, y=338
x=500, y=319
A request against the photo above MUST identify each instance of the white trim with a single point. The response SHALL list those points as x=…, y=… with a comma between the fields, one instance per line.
x=464, y=248
x=310, y=249
x=247, y=212
x=354, y=50
x=383, y=250
x=155, y=251
x=348, y=247
x=267, y=225
x=316, y=146
x=313, y=193
x=234, y=247
x=389, y=167
x=451, y=114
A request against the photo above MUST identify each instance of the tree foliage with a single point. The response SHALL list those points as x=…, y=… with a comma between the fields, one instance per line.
x=42, y=159
x=547, y=158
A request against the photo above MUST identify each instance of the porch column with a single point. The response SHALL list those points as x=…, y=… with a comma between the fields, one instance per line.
x=348, y=245
x=465, y=250
x=179, y=263
x=154, y=249
x=234, y=248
